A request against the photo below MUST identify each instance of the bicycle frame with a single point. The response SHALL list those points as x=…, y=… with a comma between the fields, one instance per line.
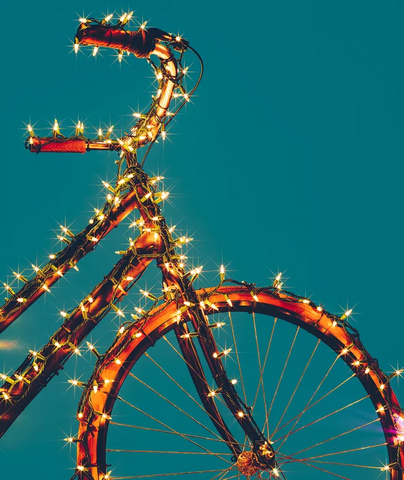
x=134, y=190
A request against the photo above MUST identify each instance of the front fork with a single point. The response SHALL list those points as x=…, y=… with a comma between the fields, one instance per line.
x=178, y=286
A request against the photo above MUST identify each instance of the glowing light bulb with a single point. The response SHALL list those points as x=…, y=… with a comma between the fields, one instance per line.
x=76, y=47
x=222, y=272
x=240, y=414
x=95, y=51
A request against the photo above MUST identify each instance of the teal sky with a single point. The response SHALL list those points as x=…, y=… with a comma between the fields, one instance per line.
x=290, y=158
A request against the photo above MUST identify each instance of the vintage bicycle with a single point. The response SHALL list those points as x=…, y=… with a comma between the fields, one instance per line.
x=198, y=343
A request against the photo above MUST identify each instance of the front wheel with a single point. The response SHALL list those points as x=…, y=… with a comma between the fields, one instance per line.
x=320, y=400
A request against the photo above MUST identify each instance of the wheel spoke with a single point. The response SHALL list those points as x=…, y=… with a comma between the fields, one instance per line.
x=172, y=429
x=163, y=452
x=168, y=474
x=371, y=467
x=265, y=361
x=346, y=451
x=260, y=369
x=280, y=379
x=297, y=385
x=173, y=404
x=324, y=417
x=336, y=436
x=183, y=390
x=317, y=468
x=167, y=431
x=308, y=406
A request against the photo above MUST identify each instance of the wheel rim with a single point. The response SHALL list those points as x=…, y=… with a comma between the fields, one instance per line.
x=96, y=405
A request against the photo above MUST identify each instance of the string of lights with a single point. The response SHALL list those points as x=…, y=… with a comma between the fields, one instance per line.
x=96, y=405
x=180, y=307
x=148, y=128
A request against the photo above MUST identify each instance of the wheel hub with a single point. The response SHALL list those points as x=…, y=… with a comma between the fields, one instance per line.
x=259, y=458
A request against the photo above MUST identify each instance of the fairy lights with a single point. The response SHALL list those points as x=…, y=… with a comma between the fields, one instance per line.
x=139, y=191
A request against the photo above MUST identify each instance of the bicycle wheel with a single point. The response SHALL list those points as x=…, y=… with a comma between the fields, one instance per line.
x=302, y=374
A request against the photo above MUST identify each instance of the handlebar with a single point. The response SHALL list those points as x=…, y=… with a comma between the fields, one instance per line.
x=68, y=145
x=142, y=43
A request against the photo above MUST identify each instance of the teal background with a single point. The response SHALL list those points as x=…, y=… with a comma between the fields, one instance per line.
x=288, y=159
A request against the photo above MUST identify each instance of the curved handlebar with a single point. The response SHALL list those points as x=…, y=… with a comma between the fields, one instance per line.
x=142, y=43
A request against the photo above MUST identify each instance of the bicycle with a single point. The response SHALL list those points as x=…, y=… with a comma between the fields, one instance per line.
x=183, y=313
